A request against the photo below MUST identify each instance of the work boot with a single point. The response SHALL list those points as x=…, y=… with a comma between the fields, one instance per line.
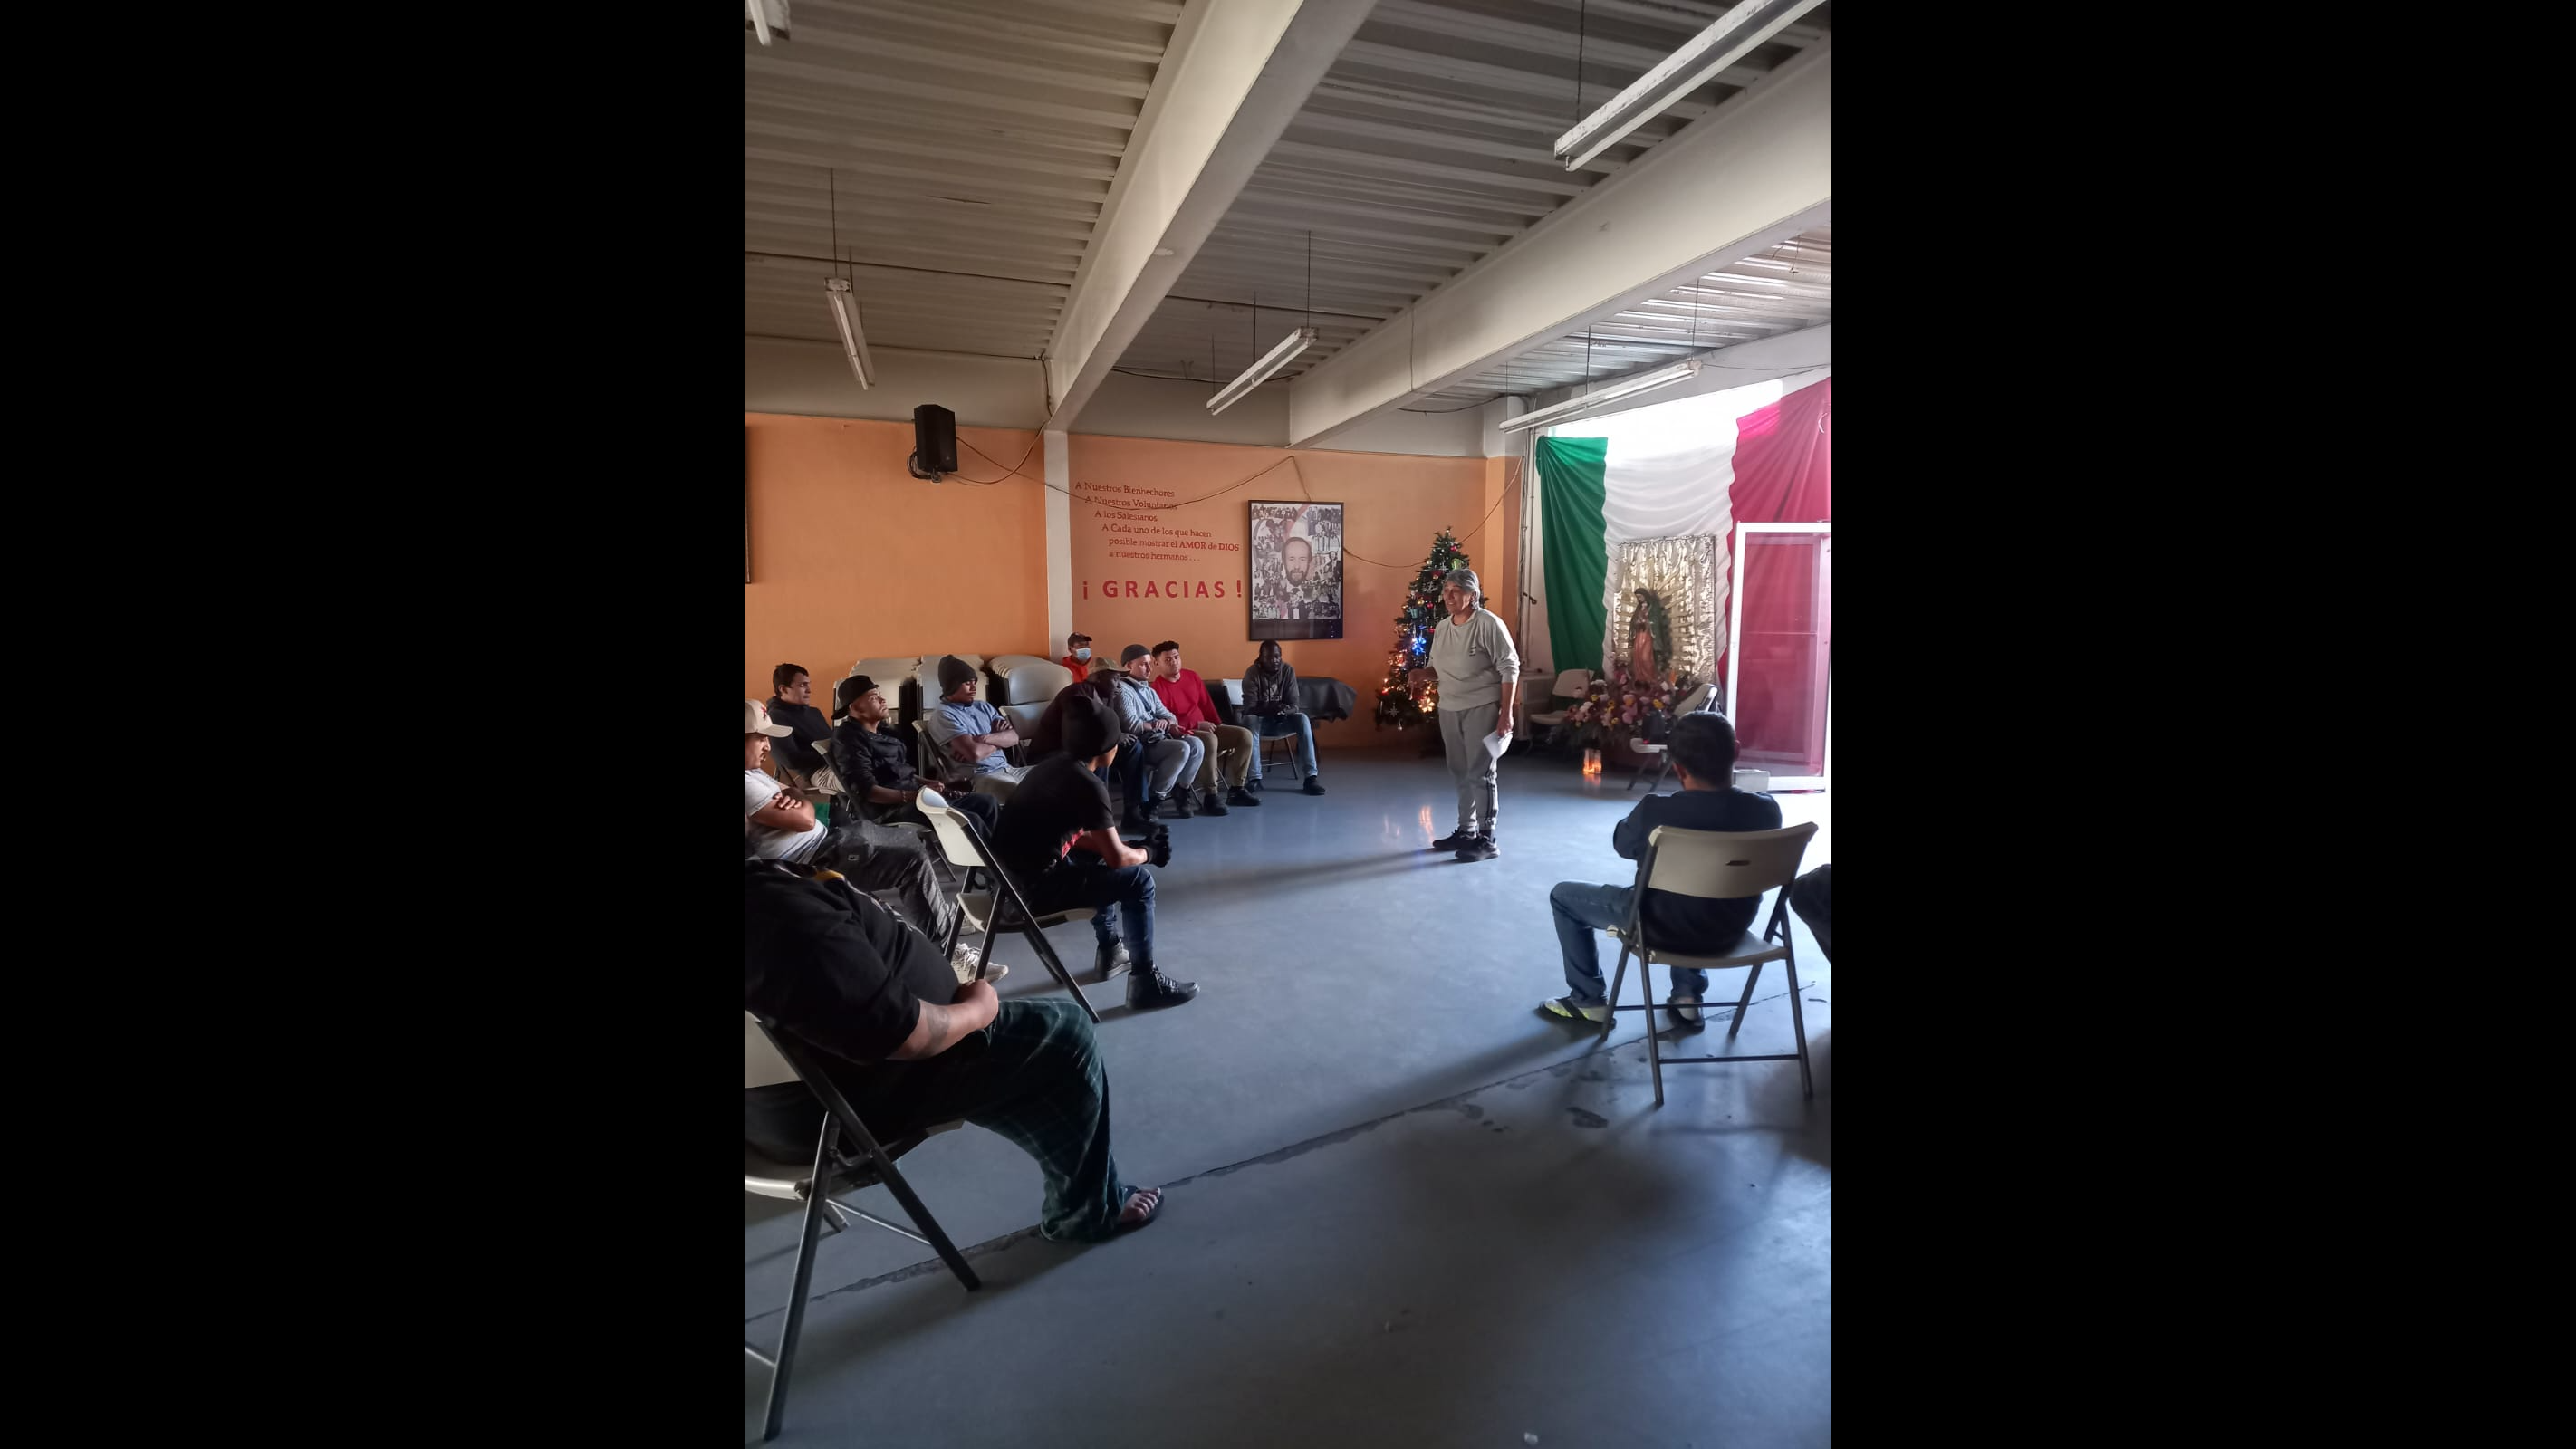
x=1109, y=960
x=1176, y=805
x=1148, y=989
x=1240, y=796
x=1314, y=786
x=1212, y=805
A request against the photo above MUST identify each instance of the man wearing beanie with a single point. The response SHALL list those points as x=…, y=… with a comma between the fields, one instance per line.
x=1058, y=839
x=970, y=731
x=1172, y=754
x=1480, y=678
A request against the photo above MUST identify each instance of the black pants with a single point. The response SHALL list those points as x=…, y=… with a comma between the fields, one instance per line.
x=1127, y=772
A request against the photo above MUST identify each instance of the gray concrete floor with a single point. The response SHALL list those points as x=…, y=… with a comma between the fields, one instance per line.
x=1403, y=1208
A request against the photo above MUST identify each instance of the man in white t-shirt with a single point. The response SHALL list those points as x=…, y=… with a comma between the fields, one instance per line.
x=781, y=826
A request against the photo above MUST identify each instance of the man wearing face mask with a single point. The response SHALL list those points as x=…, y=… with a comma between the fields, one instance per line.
x=1077, y=655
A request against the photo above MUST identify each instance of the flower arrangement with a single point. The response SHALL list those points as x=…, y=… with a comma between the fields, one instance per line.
x=1622, y=710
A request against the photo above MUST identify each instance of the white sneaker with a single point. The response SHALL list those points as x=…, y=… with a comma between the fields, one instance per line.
x=1686, y=1010
x=962, y=961
x=1566, y=1008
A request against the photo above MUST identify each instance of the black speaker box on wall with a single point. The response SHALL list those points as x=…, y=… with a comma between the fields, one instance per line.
x=934, y=441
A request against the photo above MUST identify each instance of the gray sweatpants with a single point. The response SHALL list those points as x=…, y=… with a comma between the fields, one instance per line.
x=1172, y=758
x=1462, y=734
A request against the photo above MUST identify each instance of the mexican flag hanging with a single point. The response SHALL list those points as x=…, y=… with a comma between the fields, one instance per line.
x=1679, y=476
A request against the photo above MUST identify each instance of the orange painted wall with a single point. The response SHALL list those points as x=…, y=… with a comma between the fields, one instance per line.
x=851, y=556
x=1394, y=504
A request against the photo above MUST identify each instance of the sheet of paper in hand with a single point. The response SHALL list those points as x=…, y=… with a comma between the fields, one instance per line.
x=1495, y=743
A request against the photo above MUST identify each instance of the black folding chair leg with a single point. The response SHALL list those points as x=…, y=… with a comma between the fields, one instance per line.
x=1646, y=993
x=795, y=1325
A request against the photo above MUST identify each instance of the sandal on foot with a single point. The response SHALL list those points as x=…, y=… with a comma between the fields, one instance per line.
x=1151, y=1213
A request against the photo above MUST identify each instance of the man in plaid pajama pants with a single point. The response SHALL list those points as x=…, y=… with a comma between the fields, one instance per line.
x=910, y=1048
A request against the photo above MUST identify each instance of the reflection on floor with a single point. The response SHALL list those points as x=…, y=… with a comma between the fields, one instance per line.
x=1404, y=1209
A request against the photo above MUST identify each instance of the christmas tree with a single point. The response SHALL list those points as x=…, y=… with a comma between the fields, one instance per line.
x=1399, y=702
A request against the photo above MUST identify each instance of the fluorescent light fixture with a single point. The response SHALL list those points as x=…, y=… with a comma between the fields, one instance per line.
x=845, y=311
x=1610, y=392
x=1728, y=39
x=1259, y=372
x=768, y=19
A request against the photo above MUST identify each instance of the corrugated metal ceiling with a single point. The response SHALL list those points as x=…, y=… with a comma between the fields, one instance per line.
x=1424, y=149
x=1773, y=292
x=969, y=146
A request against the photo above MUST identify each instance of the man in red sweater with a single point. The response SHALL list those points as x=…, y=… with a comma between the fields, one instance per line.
x=1228, y=747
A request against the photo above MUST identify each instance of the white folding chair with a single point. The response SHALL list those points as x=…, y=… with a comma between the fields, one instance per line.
x=1569, y=685
x=1716, y=865
x=1690, y=704
x=770, y=1058
x=971, y=856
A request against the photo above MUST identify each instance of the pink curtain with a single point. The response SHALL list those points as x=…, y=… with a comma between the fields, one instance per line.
x=1784, y=473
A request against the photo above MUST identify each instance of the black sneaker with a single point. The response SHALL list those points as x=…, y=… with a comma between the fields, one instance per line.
x=1176, y=806
x=1240, y=796
x=1109, y=960
x=1480, y=848
x=1212, y=805
x=1148, y=989
x=1314, y=786
x=1456, y=841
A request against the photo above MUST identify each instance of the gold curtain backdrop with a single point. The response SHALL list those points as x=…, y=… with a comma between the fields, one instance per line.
x=1688, y=574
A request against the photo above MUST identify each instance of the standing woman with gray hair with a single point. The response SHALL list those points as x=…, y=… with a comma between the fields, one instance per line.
x=1479, y=674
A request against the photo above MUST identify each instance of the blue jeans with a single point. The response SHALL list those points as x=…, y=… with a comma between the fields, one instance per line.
x=1293, y=722
x=1583, y=909
x=1083, y=880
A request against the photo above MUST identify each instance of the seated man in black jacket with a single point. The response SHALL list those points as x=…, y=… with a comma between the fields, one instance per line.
x=1703, y=755
x=1126, y=766
x=875, y=766
x=798, y=754
x=1058, y=841
x=911, y=1048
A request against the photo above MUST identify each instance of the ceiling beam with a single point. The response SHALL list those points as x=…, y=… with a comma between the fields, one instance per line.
x=1753, y=173
x=1234, y=76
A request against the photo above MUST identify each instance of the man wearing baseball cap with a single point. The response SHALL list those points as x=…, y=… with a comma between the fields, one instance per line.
x=1058, y=838
x=1077, y=655
x=1479, y=674
x=780, y=826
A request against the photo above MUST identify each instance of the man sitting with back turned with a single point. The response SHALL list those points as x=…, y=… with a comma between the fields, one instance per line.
x=1703, y=758
x=971, y=731
x=877, y=769
x=1057, y=839
x=1171, y=752
x=1223, y=747
x=911, y=1048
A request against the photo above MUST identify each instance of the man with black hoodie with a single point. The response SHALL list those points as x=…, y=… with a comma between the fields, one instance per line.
x=1703, y=755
